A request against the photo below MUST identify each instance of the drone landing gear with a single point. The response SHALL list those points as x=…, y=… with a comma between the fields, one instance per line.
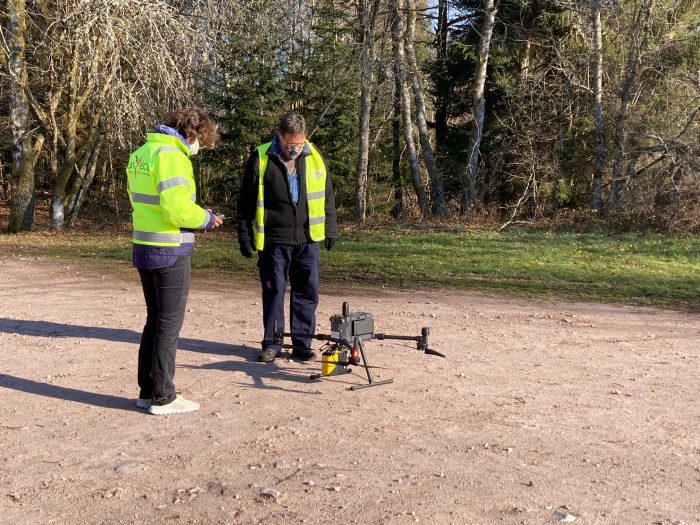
x=370, y=379
x=337, y=361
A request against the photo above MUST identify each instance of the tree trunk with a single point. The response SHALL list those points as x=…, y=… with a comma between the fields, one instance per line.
x=400, y=66
x=58, y=197
x=471, y=171
x=630, y=173
x=396, y=142
x=437, y=193
x=77, y=98
x=23, y=156
x=86, y=172
x=366, y=55
x=599, y=166
x=525, y=61
x=65, y=170
x=639, y=34
x=86, y=182
x=566, y=119
x=442, y=87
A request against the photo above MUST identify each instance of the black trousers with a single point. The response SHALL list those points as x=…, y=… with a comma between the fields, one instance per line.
x=165, y=291
x=298, y=265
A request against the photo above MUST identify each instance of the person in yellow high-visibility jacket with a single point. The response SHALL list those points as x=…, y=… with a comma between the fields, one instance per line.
x=163, y=198
x=286, y=211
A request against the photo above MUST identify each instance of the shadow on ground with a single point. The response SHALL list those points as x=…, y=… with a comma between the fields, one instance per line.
x=246, y=362
x=69, y=394
x=120, y=335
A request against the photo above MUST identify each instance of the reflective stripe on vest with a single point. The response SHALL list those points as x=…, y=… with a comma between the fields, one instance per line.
x=167, y=148
x=179, y=238
x=315, y=179
x=171, y=183
x=145, y=198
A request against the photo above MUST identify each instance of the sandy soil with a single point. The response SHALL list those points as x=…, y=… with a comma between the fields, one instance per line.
x=543, y=412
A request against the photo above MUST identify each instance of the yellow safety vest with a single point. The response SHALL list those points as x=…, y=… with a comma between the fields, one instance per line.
x=162, y=192
x=316, y=174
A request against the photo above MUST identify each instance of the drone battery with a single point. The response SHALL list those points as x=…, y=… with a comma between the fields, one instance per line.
x=334, y=362
x=363, y=324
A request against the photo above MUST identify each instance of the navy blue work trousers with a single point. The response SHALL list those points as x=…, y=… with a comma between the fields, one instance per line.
x=165, y=291
x=280, y=264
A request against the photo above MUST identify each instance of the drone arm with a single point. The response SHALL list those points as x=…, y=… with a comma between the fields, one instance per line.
x=422, y=340
x=320, y=337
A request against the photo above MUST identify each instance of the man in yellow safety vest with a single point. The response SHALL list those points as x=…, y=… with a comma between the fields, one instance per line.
x=286, y=210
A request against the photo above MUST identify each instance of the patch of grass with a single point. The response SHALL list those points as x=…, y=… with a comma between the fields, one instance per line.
x=644, y=269
x=99, y=249
x=654, y=269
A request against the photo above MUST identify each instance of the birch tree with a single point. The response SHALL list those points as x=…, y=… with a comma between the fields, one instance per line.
x=479, y=106
x=407, y=123
x=442, y=87
x=599, y=164
x=437, y=193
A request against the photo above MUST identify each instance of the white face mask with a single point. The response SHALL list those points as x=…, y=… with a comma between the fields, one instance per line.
x=194, y=147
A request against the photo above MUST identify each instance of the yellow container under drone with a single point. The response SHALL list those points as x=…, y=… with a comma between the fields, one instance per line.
x=334, y=362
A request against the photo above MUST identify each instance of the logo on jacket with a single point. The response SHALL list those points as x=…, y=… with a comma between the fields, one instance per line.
x=139, y=164
x=317, y=174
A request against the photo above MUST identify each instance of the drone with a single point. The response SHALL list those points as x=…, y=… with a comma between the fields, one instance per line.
x=346, y=348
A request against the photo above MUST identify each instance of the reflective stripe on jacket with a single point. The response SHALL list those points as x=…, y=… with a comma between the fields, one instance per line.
x=161, y=187
x=315, y=179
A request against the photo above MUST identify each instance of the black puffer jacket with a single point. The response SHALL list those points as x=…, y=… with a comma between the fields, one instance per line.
x=285, y=223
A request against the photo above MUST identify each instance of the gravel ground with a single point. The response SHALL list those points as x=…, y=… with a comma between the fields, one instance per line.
x=542, y=412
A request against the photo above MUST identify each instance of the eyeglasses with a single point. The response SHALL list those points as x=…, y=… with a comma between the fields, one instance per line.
x=294, y=144
x=291, y=136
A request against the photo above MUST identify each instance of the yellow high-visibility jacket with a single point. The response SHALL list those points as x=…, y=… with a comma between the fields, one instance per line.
x=162, y=193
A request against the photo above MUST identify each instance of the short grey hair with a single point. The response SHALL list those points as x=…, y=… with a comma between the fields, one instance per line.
x=292, y=123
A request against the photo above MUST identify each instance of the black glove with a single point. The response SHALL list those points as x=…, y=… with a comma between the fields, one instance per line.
x=246, y=248
x=330, y=242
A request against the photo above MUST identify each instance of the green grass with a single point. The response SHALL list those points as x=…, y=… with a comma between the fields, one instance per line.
x=644, y=269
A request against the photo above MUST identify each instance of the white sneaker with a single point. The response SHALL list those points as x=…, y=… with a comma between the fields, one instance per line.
x=143, y=403
x=179, y=405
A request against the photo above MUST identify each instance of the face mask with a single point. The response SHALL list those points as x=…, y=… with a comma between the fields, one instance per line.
x=194, y=147
x=293, y=152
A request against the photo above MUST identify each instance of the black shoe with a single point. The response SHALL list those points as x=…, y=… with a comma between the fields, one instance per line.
x=303, y=354
x=268, y=355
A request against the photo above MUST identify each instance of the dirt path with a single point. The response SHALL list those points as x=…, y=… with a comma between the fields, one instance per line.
x=543, y=412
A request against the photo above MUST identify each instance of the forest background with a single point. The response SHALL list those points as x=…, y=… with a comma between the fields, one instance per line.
x=543, y=112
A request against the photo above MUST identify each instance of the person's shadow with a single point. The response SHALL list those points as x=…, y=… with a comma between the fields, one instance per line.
x=120, y=335
x=246, y=362
x=259, y=372
x=30, y=386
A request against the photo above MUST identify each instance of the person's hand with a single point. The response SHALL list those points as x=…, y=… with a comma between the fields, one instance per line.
x=218, y=220
x=330, y=242
x=246, y=248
